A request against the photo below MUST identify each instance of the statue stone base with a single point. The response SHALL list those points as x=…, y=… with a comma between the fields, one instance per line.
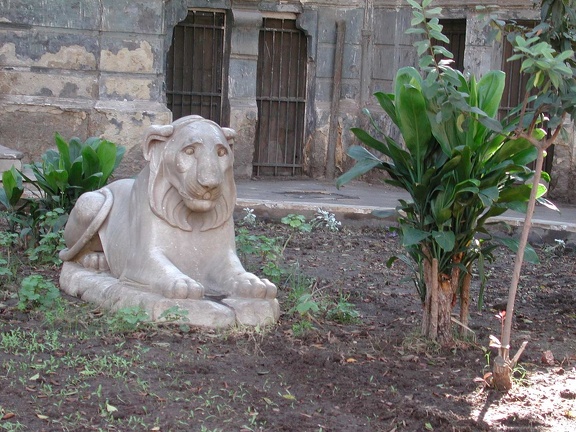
x=106, y=291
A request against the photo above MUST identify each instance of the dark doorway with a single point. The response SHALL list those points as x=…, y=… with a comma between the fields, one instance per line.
x=455, y=31
x=281, y=97
x=195, y=66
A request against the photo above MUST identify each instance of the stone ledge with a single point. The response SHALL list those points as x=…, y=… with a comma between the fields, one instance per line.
x=10, y=158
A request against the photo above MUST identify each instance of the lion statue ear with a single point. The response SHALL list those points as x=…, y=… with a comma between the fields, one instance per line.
x=156, y=134
x=230, y=134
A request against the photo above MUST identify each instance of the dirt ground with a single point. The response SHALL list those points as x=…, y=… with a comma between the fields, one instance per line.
x=74, y=372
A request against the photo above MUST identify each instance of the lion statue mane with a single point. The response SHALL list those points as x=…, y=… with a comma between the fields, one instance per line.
x=169, y=231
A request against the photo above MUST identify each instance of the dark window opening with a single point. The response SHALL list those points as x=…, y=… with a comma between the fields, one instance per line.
x=281, y=97
x=195, y=66
x=455, y=31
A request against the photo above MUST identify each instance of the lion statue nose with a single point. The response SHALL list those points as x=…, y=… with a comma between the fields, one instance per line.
x=209, y=176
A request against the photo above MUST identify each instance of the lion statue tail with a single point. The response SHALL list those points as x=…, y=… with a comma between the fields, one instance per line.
x=70, y=253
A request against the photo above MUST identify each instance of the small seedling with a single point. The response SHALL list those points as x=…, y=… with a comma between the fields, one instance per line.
x=249, y=217
x=128, y=319
x=326, y=219
x=297, y=222
x=37, y=292
x=343, y=311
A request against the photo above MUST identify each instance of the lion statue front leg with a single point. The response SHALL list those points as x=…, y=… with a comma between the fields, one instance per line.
x=233, y=280
x=163, y=277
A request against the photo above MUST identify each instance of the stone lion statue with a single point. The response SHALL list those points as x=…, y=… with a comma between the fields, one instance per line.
x=168, y=233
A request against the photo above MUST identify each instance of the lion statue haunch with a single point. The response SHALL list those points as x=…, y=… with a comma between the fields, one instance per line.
x=168, y=233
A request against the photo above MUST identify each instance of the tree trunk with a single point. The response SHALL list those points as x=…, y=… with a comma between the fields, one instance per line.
x=430, y=313
x=465, y=300
x=436, y=318
x=445, y=304
x=501, y=374
x=502, y=370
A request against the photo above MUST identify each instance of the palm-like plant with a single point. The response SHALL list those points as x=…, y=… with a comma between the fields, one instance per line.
x=458, y=163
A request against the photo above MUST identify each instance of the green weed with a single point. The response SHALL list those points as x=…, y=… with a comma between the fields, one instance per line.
x=343, y=311
x=128, y=319
x=37, y=292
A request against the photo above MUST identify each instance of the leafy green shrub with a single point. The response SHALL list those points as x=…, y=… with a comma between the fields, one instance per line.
x=12, y=189
x=60, y=178
x=76, y=167
x=49, y=230
x=37, y=293
x=267, y=248
x=8, y=261
x=459, y=164
x=10, y=195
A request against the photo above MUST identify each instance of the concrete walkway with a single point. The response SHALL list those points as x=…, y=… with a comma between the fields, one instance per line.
x=274, y=198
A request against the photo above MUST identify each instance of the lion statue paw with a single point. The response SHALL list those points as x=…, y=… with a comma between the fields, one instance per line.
x=182, y=288
x=251, y=286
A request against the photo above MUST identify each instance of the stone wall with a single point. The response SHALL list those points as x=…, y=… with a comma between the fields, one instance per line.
x=96, y=67
x=80, y=68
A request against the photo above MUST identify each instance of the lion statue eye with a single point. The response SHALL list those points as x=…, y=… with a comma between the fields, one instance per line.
x=189, y=150
x=222, y=151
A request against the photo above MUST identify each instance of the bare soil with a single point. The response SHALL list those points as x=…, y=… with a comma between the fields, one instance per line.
x=372, y=375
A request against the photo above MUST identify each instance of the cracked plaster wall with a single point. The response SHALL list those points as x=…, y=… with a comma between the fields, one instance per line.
x=81, y=68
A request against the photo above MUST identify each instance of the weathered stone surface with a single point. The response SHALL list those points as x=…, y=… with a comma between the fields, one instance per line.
x=128, y=55
x=243, y=118
x=49, y=84
x=135, y=16
x=16, y=121
x=48, y=50
x=125, y=123
x=74, y=14
x=166, y=238
x=128, y=88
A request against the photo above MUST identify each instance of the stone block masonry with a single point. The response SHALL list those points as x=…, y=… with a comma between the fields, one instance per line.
x=81, y=68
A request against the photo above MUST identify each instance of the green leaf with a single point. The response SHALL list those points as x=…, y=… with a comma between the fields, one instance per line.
x=386, y=101
x=412, y=236
x=107, y=157
x=361, y=167
x=412, y=115
x=12, y=189
x=445, y=239
x=90, y=162
x=64, y=151
x=490, y=90
x=530, y=254
x=369, y=140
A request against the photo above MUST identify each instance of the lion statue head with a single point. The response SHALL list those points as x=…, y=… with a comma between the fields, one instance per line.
x=191, y=183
